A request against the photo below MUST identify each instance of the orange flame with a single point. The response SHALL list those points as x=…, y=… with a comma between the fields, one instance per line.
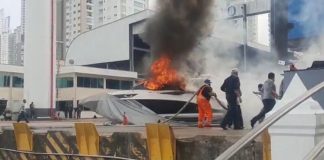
x=162, y=75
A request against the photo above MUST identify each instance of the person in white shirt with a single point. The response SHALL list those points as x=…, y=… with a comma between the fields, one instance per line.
x=268, y=95
x=22, y=112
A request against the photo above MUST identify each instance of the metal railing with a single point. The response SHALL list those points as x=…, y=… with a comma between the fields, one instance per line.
x=315, y=151
x=37, y=155
x=268, y=122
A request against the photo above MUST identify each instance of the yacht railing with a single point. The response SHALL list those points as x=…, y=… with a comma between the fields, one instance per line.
x=268, y=122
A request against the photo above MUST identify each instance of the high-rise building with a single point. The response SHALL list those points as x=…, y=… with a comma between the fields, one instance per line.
x=78, y=18
x=83, y=15
x=111, y=10
x=22, y=23
x=15, y=47
x=4, y=37
x=23, y=15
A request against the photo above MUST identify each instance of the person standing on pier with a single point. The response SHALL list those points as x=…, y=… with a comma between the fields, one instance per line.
x=22, y=112
x=204, y=108
x=231, y=87
x=32, y=111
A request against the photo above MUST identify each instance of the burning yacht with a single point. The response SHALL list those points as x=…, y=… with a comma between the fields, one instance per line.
x=167, y=102
x=164, y=93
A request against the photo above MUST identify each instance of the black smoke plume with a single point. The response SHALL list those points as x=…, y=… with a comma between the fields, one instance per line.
x=178, y=27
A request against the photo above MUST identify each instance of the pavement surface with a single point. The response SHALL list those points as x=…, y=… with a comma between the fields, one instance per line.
x=68, y=125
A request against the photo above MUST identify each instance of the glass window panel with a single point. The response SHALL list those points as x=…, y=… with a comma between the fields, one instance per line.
x=126, y=84
x=112, y=84
x=17, y=82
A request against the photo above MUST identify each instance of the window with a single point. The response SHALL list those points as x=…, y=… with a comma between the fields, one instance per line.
x=17, y=82
x=89, y=14
x=4, y=80
x=89, y=1
x=117, y=84
x=112, y=84
x=88, y=82
x=126, y=85
x=65, y=82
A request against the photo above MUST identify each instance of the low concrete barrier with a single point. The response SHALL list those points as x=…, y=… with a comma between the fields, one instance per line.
x=62, y=144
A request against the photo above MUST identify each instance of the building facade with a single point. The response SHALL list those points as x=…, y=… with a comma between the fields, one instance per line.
x=78, y=18
x=73, y=84
x=4, y=37
x=16, y=47
x=83, y=15
x=111, y=10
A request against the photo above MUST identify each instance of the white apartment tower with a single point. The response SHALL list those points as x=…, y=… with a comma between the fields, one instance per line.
x=112, y=10
x=83, y=15
x=4, y=37
x=16, y=47
x=78, y=18
x=23, y=15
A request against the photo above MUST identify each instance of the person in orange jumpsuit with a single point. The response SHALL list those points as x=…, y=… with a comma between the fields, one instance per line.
x=204, y=108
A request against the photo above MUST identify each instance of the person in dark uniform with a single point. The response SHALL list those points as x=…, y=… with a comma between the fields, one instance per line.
x=231, y=87
x=32, y=111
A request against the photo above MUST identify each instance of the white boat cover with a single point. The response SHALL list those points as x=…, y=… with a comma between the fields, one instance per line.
x=113, y=109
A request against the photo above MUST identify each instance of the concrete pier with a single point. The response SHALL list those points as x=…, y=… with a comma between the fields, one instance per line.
x=130, y=141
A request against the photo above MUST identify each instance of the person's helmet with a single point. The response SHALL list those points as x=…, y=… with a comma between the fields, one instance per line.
x=207, y=81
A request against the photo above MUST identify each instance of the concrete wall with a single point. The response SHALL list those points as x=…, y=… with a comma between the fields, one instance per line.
x=108, y=43
x=131, y=145
x=38, y=53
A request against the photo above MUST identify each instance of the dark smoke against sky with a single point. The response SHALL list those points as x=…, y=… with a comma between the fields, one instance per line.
x=178, y=26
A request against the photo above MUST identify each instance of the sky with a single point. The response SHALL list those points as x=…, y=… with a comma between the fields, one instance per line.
x=12, y=9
